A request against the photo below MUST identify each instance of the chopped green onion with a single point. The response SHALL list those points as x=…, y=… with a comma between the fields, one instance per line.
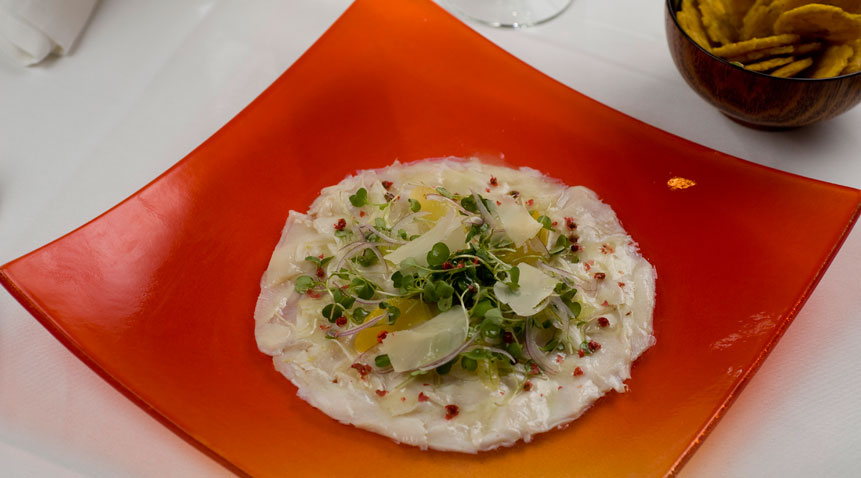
x=382, y=361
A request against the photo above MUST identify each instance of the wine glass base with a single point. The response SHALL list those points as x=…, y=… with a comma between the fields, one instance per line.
x=507, y=13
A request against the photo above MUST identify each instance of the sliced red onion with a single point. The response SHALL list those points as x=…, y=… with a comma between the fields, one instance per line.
x=560, y=305
x=356, y=330
x=541, y=247
x=367, y=301
x=535, y=353
x=348, y=250
x=440, y=197
x=381, y=235
x=380, y=257
x=408, y=217
x=448, y=358
x=578, y=282
x=485, y=213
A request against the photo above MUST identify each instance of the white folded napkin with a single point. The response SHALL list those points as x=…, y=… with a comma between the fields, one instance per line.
x=30, y=30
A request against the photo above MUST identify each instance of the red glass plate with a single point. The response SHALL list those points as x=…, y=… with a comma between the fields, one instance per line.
x=157, y=294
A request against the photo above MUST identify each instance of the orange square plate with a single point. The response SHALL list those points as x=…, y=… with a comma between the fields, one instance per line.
x=157, y=294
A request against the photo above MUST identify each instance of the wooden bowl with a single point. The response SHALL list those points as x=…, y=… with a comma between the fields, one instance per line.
x=757, y=99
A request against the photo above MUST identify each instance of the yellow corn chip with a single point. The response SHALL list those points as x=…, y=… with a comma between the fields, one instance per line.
x=757, y=21
x=736, y=9
x=833, y=61
x=689, y=19
x=743, y=47
x=793, y=68
x=806, y=48
x=716, y=21
x=760, y=54
x=854, y=63
x=795, y=50
x=824, y=21
x=770, y=64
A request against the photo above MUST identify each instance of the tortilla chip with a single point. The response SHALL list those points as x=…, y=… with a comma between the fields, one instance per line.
x=770, y=64
x=824, y=21
x=744, y=47
x=761, y=17
x=793, y=68
x=689, y=19
x=757, y=22
x=716, y=21
x=736, y=9
x=833, y=61
x=853, y=64
x=806, y=48
x=768, y=52
x=794, y=50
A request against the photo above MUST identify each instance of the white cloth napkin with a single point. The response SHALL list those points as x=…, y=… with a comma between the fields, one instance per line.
x=30, y=30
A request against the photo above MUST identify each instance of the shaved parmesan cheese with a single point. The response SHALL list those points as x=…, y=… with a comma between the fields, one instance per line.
x=429, y=341
x=448, y=230
x=516, y=221
x=535, y=286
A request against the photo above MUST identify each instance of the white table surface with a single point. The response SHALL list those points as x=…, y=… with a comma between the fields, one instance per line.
x=152, y=79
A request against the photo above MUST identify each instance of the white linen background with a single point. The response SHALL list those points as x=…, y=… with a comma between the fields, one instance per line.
x=81, y=133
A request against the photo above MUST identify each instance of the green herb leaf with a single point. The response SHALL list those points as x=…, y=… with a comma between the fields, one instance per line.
x=444, y=304
x=359, y=315
x=438, y=254
x=343, y=233
x=445, y=192
x=367, y=258
x=382, y=361
x=332, y=311
x=445, y=368
x=394, y=313
x=545, y=221
x=482, y=307
x=304, y=284
x=515, y=349
x=443, y=289
x=360, y=198
x=380, y=224
x=490, y=329
x=494, y=314
x=468, y=363
x=561, y=245
x=468, y=203
x=415, y=206
x=514, y=276
x=362, y=288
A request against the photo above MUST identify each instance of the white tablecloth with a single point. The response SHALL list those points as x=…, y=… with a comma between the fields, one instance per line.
x=152, y=79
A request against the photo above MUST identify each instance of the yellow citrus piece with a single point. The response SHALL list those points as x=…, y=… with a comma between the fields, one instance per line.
x=413, y=312
x=437, y=209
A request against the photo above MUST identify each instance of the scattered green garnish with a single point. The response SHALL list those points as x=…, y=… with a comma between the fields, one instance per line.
x=360, y=198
